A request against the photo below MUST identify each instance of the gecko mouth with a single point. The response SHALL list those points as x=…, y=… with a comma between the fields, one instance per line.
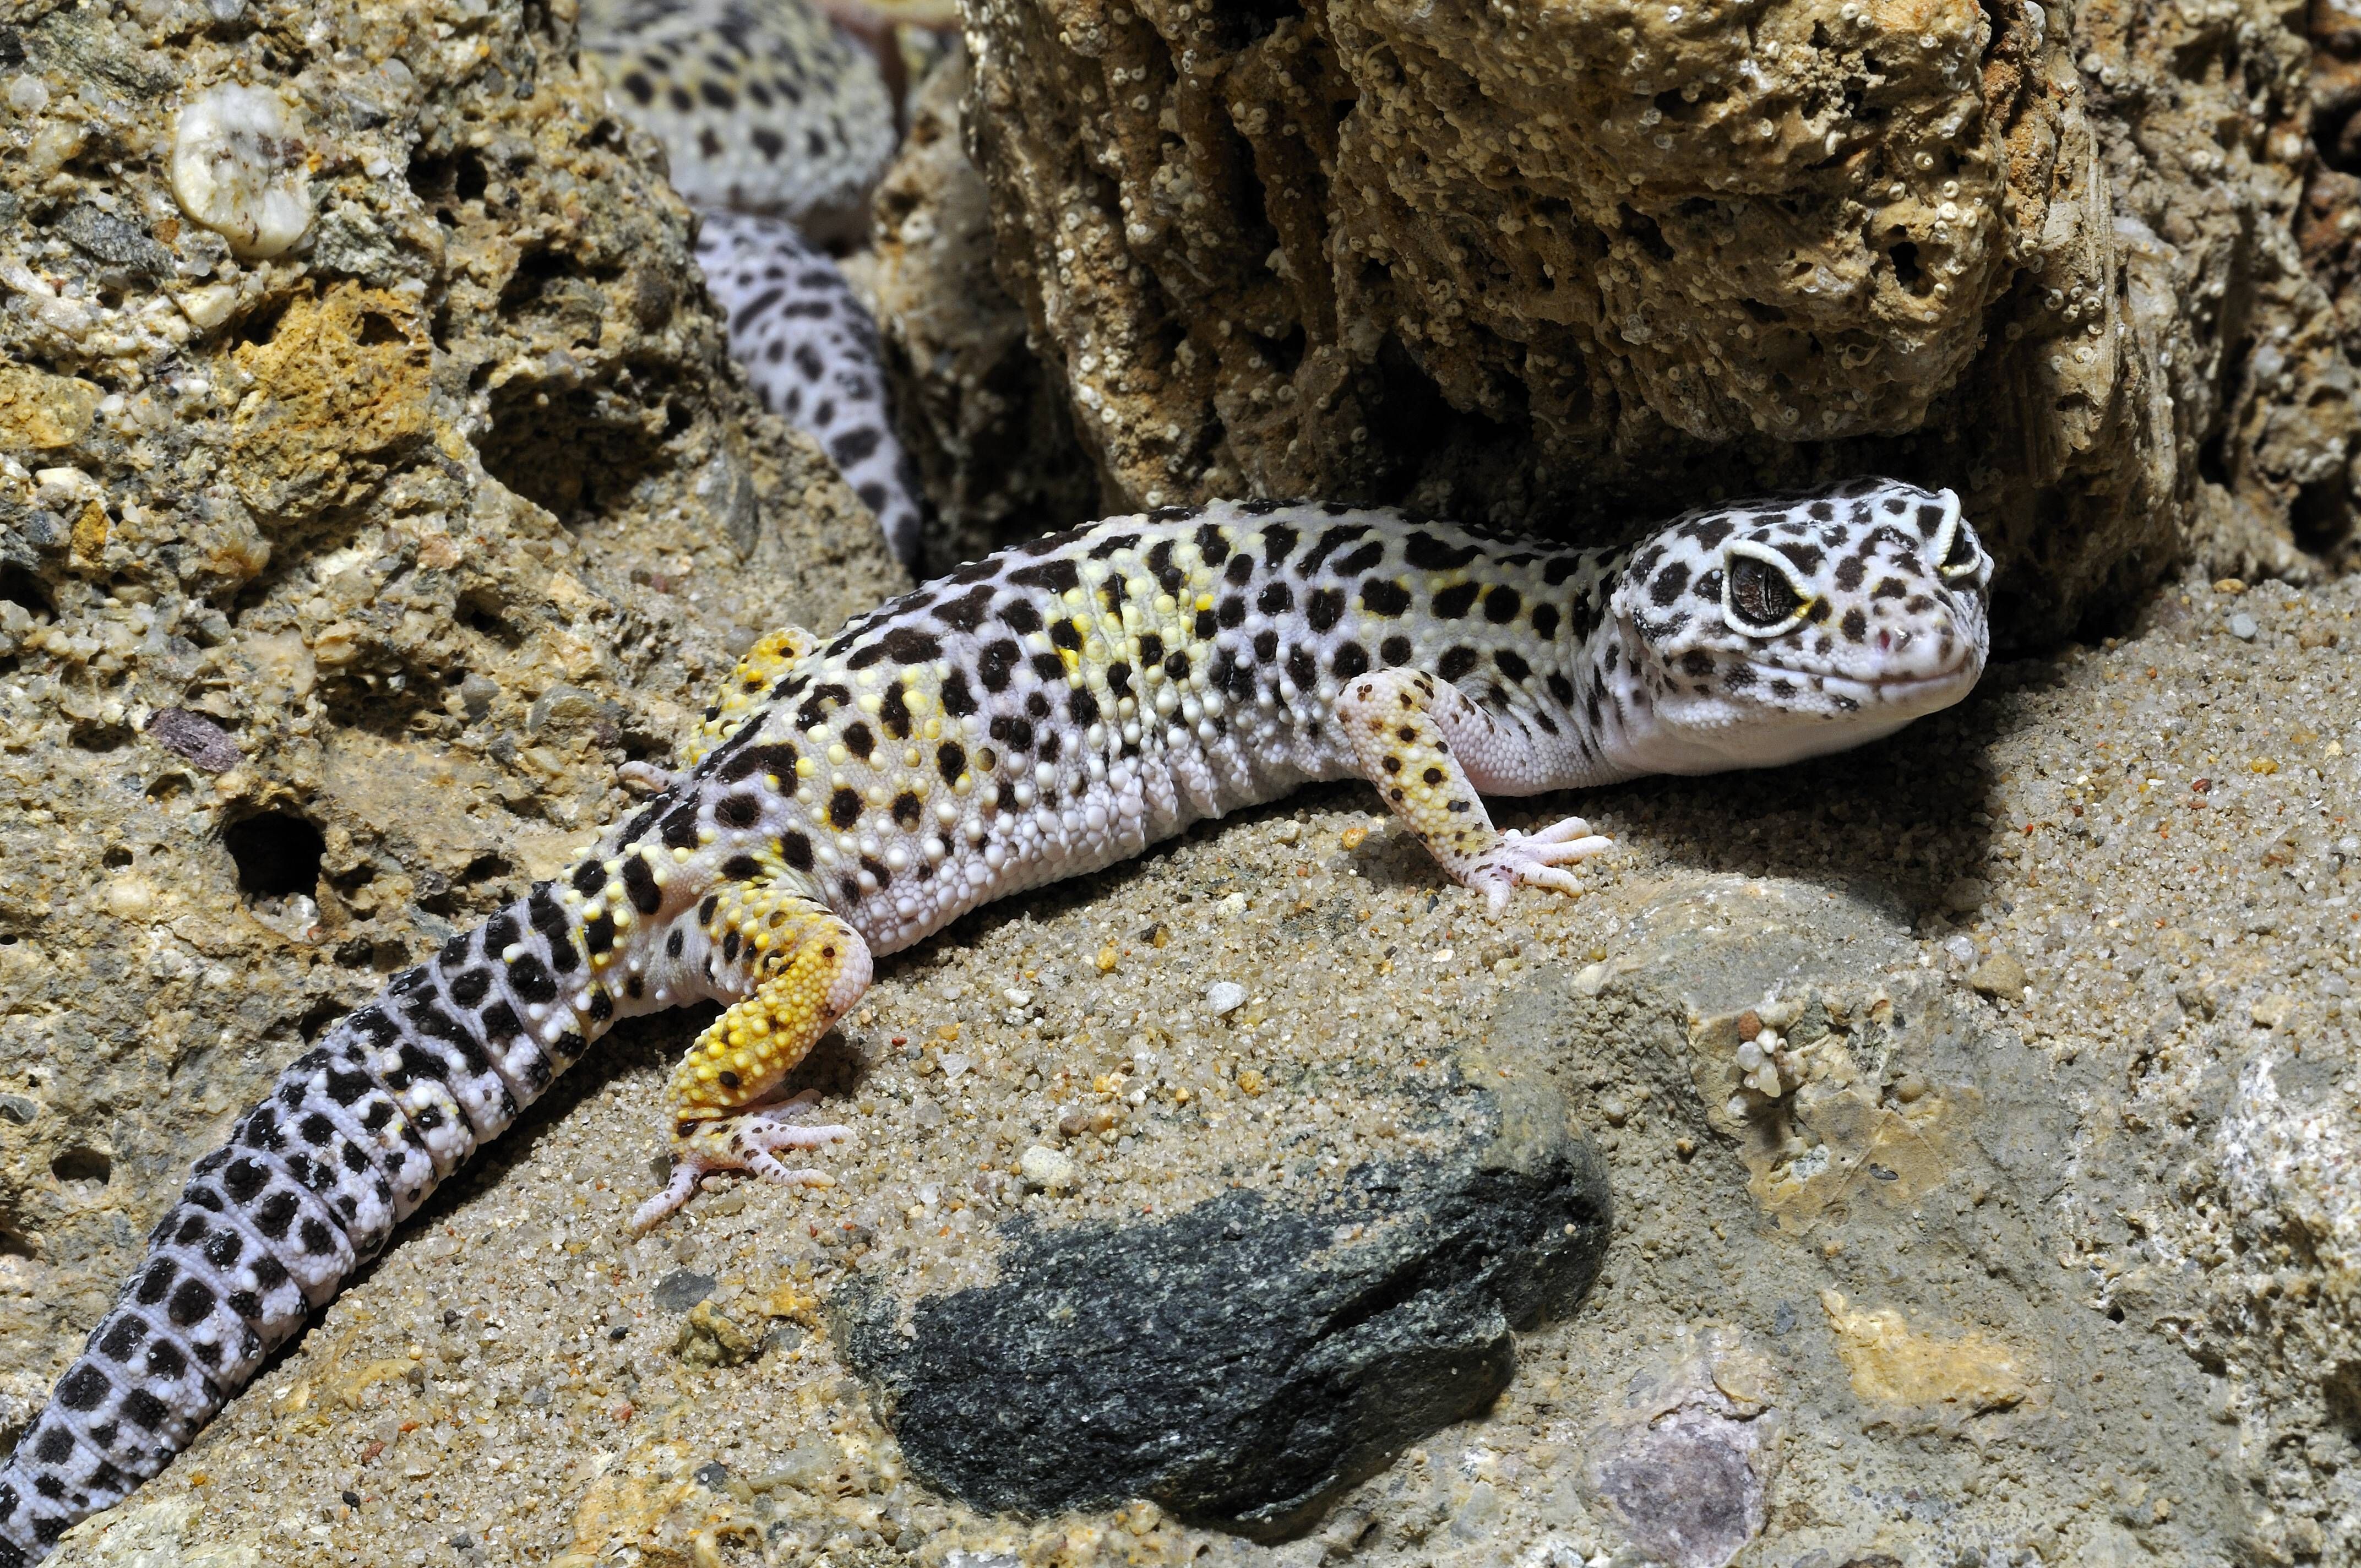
x=1878, y=689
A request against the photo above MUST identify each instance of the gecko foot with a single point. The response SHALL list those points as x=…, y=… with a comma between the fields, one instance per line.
x=744, y=1141
x=1539, y=859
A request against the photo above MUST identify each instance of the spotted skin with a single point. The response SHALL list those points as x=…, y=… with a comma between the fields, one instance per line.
x=809, y=348
x=1040, y=714
x=762, y=105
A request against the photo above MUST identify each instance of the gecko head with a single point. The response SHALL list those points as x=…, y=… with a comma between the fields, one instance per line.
x=1773, y=629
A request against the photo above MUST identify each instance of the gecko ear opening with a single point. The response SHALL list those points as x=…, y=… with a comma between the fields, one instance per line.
x=1760, y=596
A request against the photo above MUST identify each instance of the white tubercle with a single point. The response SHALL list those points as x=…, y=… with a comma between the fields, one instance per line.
x=238, y=170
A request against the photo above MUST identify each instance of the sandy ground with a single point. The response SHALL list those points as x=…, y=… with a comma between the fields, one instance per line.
x=2137, y=857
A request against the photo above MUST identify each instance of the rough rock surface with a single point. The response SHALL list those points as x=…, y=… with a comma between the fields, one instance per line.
x=986, y=421
x=332, y=583
x=1573, y=267
x=1243, y=1362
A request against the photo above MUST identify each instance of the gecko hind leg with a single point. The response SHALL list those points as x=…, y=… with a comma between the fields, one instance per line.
x=1428, y=748
x=808, y=969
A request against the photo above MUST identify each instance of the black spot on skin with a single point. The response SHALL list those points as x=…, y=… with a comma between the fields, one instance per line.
x=1232, y=613
x=1855, y=624
x=1082, y=708
x=468, y=989
x=877, y=869
x=1697, y=661
x=640, y=885
x=1239, y=571
x=1014, y=733
x=1351, y=660
x=1266, y=645
x=995, y=665
x=1332, y=539
x=1361, y=560
x=1159, y=561
x=1203, y=625
x=589, y=878
x=529, y=978
x=1277, y=540
x=680, y=830
x=1456, y=601
x=1324, y=609
x=742, y=868
x=957, y=699
x=1395, y=650
x=731, y=943
x=1276, y=598
x=1213, y=544
x=843, y=807
x=1546, y=620
x=1177, y=666
x=1502, y=605
x=1047, y=667
x=1930, y=521
x=966, y=612
x=908, y=811
x=908, y=645
x=1021, y=617
x=1512, y=665
x=598, y=935
x=1850, y=571
x=1428, y=554
x=1112, y=543
x=745, y=810
x=1301, y=669
x=84, y=1387
x=796, y=850
x=1457, y=663
x=1381, y=596
x=1152, y=650
x=1057, y=577
x=859, y=740
x=1067, y=635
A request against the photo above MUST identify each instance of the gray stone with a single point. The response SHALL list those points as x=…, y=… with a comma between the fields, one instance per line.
x=1243, y=1362
x=682, y=1288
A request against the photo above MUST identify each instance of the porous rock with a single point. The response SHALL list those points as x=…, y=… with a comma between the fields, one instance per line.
x=342, y=555
x=1571, y=268
x=1243, y=1361
x=986, y=420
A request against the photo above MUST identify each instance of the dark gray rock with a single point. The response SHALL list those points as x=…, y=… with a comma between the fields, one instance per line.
x=1243, y=1362
x=681, y=1289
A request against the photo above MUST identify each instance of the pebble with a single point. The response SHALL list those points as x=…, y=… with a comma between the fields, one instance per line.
x=2243, y=627
x=2001, y=976
x=1225, y=996
x=1046, y=1169
x=681, y=1289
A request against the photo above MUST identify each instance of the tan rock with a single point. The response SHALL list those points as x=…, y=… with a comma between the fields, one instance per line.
x=1891, y=1363
x=1999, y=976
x=1532, y=265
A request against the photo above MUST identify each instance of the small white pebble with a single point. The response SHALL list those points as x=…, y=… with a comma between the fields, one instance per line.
x=2243, y=627
x=238, y=170
x=1225, y=996
x=1048, y=1170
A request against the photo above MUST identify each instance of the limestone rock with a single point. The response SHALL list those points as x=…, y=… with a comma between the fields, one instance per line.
x=987, y=422
x=1243, y=1361
x=1574, y=267
x=336, y=575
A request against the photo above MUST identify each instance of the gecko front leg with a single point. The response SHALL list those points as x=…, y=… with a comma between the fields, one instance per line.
x=1429, y=748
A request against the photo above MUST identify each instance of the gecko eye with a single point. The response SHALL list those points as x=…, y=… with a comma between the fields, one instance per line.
x=1953, y=549
x=1758, y=597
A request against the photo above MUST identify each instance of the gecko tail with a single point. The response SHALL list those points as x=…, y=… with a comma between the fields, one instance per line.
x=356, y=1133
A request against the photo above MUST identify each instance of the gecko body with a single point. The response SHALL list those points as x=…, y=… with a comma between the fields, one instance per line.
x=1040, y=714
